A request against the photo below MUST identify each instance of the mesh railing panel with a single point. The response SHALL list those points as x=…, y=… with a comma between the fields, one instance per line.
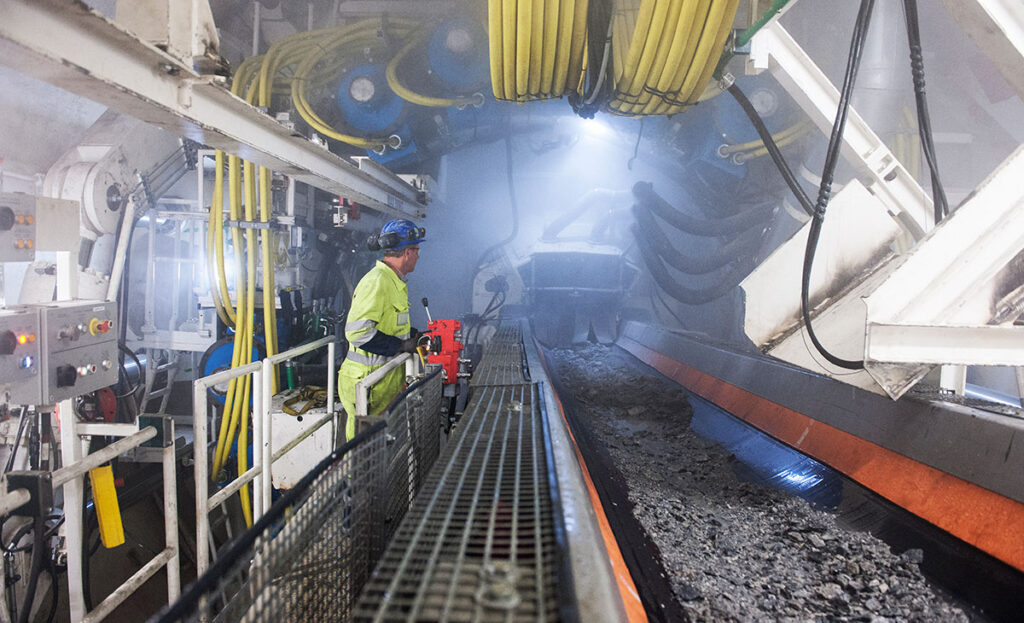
x=309, y=557
x=479, y=543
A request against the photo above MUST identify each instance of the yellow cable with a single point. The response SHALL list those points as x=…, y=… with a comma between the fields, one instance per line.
x=218, y=225
x=576, y=54
x=508, y=42
x=796, y=127
x=524, y=22
x=636, y=45
x=564, y=47
x=391, y=73
x=666, y=43
x=495, y=48
x=250, y=296
x=684, y=31
x=709, y=50
x=717, y=47
x=701, y=15
x=549, y=47
x=536, y=47
x=211, y=268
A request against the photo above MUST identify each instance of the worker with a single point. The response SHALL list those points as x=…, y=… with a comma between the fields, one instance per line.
x=378, y=326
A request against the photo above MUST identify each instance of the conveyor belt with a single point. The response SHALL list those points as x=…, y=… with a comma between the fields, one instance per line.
x=480, y=543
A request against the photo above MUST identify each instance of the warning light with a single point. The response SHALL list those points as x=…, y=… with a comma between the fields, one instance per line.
x=31, y=337
x=22, y=339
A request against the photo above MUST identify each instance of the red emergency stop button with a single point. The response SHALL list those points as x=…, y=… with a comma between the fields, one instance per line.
x=97, y=326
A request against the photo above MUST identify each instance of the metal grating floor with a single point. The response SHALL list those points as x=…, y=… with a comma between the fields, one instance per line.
x=504, y=360
x=480, y=542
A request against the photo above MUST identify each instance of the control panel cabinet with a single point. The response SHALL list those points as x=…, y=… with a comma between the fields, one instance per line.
x=79, y=344
x=20, y=364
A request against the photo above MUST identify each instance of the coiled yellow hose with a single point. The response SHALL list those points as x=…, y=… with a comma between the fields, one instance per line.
x=537, y=47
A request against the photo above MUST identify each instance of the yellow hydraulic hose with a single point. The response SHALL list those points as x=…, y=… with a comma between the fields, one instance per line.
x=229, y=418
x=218, y=229
x=391, y=73
x=685, y=31
x=250, y=300
x=508, y=42
x=563, y=50
x=494, y=43
x=666, y=40
x=701, y=13
x=524, y=24
x=714, y=52
x=576, y=54
x=778, y=136
x=548, y=48
x=536, y=47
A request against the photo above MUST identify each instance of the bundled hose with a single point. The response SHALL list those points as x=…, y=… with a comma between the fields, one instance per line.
x=665, y=52
x=536, y=48
x=645, y=195
x=739, y=247
x=689, y=296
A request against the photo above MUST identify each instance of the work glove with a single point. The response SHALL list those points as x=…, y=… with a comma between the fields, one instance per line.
x=409, y=345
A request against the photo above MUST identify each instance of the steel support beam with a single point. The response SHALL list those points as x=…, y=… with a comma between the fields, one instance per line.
x=937, y=344
x=952, y=277
x=774, y=49
x=67, y=44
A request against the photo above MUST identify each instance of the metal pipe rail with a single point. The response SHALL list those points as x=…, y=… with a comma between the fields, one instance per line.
x=363, y=386
x=204, y=502
x=96, y=459
x=268, y=459
x=70, y=477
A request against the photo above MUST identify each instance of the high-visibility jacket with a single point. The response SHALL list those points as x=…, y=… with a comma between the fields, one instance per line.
x=380, y=303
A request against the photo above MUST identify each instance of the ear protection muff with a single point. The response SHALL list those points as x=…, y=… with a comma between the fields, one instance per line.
x=379, y=242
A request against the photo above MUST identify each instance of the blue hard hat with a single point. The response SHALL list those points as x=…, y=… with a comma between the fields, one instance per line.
x=400, y=233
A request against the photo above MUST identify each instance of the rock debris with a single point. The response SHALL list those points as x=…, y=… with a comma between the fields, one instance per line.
x=734, y=550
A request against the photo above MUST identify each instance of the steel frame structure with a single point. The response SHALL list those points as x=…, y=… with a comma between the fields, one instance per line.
x=69, y=45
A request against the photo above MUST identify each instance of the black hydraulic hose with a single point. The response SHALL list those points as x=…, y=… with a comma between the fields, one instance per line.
x=22, y=423
x=35, y=570
x=825, y=190
x=773, y=149
x=742, y=245
x=689, y=296
x=644, y=193
x=924, y=124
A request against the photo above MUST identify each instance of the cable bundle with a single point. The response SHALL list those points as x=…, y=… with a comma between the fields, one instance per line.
x=665, y=52
x=536, y=47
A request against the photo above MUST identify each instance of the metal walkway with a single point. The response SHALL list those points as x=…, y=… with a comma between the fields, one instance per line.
x=472, y=532
x=481, y=542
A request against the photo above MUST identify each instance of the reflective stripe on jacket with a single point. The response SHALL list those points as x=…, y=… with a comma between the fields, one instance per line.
x=380, y=303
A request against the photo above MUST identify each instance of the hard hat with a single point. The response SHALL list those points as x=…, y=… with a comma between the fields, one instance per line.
x=397, y=234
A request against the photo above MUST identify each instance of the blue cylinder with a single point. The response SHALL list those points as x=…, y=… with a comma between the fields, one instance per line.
x=366, y=101
x=458, y=54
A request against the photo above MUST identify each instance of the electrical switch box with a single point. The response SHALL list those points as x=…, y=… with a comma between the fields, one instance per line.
x=29, y=224
x=79, y=344
x=17, y=227
x=20, y=364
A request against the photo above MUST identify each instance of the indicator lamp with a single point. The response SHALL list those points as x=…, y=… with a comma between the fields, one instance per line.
x=27, y=362
x=22, y=339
